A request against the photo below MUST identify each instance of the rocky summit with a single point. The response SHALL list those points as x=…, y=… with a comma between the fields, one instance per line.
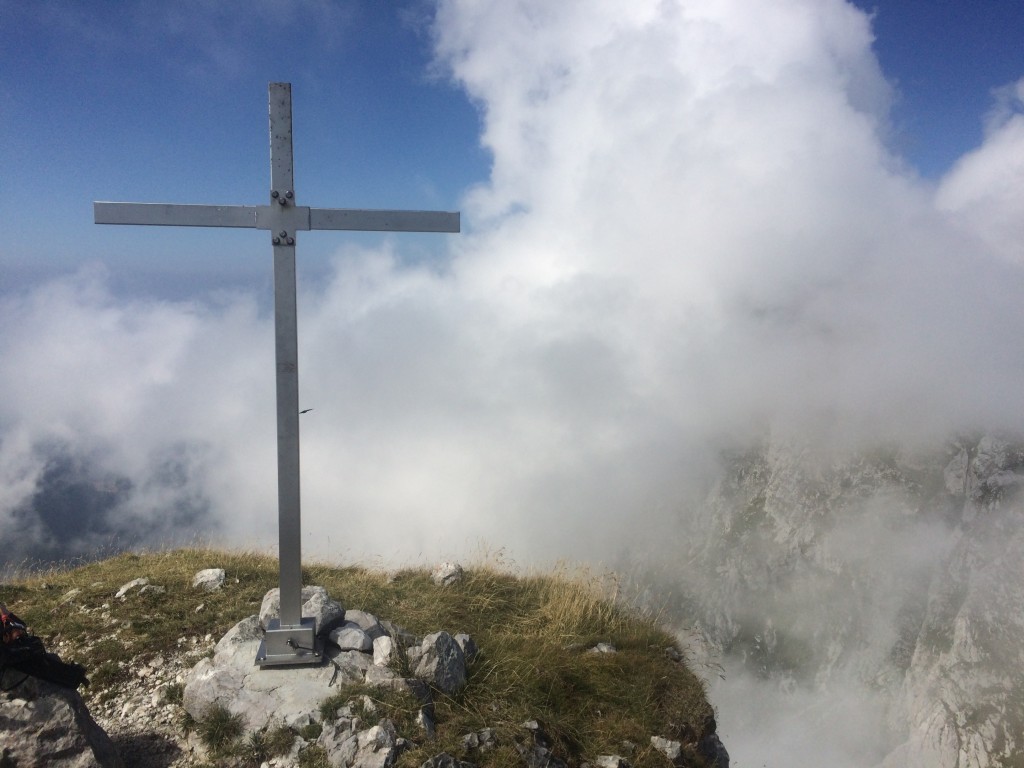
x=595, y=685
x=357, y=648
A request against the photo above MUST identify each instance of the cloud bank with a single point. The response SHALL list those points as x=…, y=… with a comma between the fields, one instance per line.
x=693, y=232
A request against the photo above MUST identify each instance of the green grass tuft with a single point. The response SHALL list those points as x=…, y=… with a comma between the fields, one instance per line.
x=219, y=730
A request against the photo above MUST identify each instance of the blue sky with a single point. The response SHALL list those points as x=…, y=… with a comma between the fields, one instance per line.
x=147, y=102
x=166, y=102
x=945, y=57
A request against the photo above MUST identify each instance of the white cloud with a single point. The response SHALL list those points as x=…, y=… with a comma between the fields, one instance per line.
x=692, y=231
x=984, y=191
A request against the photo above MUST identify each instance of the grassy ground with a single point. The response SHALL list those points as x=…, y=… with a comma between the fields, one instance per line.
x=533, y=632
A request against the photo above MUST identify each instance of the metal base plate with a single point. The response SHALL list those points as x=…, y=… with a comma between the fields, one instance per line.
x=293, y=644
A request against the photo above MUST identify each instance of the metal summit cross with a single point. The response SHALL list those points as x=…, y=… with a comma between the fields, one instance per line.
x=292, y=638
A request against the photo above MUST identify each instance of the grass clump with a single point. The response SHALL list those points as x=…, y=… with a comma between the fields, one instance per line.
x=219, y=730
x=534, y=632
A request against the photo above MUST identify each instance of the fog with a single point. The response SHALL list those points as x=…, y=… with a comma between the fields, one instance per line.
x=694, y=234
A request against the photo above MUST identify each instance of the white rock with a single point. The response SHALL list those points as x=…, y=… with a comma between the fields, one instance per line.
x=447, y=573
x=383, y=650
x=125, y=588
x=671, y=749
x=441, y=662
x=367, y=622
x=210, y=579
x=349, y=637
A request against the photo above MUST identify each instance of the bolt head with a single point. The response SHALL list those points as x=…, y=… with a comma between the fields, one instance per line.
x=277, y=241
x=283, y=233
x=291, y=241
x=289, y=194
x=274, y=194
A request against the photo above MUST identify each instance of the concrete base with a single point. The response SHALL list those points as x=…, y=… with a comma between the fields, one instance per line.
x=292, y=644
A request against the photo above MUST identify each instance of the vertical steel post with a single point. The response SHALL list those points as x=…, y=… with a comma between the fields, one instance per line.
x=282, y=186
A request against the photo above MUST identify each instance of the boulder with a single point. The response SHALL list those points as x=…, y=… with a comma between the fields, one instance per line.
x=45, y=724
x=441, y=662
x=447, y=574
x=261, y=696
x=208, y=580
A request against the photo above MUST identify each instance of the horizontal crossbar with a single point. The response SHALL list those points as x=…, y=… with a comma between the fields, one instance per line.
x=273, y=217
x=167, y=214
x=383, y=221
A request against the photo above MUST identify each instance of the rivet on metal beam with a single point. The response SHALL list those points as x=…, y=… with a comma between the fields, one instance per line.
x=282, y=201
x=283, y=233
x=291, y=241
x=277, y=241
x=289, y=194
x=275, y=194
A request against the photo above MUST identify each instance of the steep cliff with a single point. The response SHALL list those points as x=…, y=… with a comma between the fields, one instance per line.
x=897, y=572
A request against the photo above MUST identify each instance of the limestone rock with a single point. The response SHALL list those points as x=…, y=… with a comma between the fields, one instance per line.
x=610, y=761
x=316, y=604
x=209, y=580
x=346, y=747
x=924, y=544
x=442, y=662
x=126, y=588
x=231, y=680
x=383, y=651
x=349, y=637
x=482, y=740
x=45, y=724
x=425, y=720
x=381, y=676
x=447, y=574
x=367, y=622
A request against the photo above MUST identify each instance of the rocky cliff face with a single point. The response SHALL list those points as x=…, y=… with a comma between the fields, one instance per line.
x=901, y=571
